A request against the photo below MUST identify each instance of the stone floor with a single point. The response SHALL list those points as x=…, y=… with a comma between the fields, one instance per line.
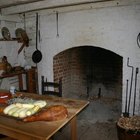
x=95, y=122
x=90, y=131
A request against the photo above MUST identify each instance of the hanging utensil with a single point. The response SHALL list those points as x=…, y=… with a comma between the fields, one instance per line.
x=130, y=84
x=24, y=21
x=22, y=36
x=39, y=29
x=138, y=40
x=37, y=55
x=137, y=71
x=126, y=114
x=57, y=34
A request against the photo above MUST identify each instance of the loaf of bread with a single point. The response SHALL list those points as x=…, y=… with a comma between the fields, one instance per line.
x=51, y=113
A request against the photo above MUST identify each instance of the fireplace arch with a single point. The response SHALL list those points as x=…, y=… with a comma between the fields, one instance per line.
x=88, y=70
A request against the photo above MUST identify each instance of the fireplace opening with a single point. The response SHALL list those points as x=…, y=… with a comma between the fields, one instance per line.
x=91, y=73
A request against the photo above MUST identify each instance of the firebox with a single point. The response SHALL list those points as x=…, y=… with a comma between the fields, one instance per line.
x=89, y=71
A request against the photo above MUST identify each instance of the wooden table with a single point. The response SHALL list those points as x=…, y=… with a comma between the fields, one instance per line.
x=43, y=130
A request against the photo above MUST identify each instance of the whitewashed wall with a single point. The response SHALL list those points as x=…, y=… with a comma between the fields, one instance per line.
x=10, y=49
x=113, y=28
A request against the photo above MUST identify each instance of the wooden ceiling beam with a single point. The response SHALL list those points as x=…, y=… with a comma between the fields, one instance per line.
x=52, y=4
x=10, y=3
x=45, y=4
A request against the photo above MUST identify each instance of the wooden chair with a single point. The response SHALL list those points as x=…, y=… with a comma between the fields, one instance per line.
x=51, y=88
x=56, y=90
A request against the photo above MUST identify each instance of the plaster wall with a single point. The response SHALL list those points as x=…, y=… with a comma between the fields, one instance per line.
x=112, y=28
x=10, y=50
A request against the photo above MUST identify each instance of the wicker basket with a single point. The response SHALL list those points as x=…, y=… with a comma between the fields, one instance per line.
x=126, y=135
x=126, y=128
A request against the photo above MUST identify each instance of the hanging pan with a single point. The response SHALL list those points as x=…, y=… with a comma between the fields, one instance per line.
x=37, y=55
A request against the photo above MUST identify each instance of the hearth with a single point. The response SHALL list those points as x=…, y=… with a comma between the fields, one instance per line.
x=94, y=74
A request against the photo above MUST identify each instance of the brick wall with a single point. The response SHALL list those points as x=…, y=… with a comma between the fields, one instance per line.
x=89, y=67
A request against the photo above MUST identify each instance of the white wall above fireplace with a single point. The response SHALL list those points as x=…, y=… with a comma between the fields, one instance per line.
x=114, y=27
x=111, y=28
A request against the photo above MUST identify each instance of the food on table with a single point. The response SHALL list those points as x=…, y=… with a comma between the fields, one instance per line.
x=51, y=113
x=23, y=100
x=14, y=109
x=34, y=110
x=4, y=97
x=20, y=113
x=22, y=110
x=40, y=103
x=8, y=108
x=27, y=101
x=21, y=105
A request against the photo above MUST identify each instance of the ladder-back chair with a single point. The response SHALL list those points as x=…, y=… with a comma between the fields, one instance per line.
x=51, y=88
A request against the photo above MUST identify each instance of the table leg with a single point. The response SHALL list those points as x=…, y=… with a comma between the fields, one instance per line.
x=73, y=129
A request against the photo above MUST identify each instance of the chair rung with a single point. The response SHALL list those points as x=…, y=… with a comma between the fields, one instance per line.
x=51, y=93
x=51, y=84
x=47, y=87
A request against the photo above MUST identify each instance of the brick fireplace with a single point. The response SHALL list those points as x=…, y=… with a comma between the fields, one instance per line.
x=94, y=74
x=89, y=71
x=88, y=46
x=91, y=52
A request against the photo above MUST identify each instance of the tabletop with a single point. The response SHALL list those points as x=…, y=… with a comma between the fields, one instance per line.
x=41, y=130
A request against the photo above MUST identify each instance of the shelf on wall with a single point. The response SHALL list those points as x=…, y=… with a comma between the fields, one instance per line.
x=12, y=39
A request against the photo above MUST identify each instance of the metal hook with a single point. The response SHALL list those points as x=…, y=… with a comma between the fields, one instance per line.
x=24, y=21
x=138, y=40
x=57, y=24
x=130, y=84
